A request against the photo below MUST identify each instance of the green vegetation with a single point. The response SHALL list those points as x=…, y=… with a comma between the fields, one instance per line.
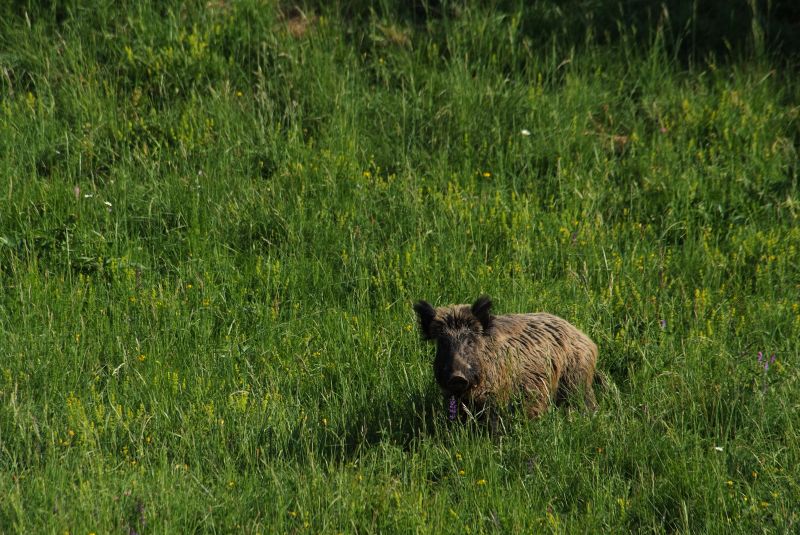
x=215, y=216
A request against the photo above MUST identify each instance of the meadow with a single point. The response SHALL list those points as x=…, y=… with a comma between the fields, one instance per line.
x=215, y=217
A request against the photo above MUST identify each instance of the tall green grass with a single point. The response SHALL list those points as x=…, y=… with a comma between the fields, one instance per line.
x=214, y=218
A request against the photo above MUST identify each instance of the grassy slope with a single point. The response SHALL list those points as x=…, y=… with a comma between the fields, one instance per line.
x=211, y=232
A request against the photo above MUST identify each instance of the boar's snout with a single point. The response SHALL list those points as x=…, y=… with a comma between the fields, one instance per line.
x=458, y=376
x=457, y=383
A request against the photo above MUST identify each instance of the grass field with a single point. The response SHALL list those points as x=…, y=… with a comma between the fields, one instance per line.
x=215, y=217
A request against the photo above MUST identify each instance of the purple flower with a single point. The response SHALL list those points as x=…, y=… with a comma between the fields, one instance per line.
x=766, y=361
x=663, y=324
x=453, y=407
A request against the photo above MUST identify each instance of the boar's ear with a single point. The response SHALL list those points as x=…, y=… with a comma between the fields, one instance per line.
x=480, y=309
x=425, y=313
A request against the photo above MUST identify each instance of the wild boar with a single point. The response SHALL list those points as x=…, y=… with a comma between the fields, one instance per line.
x=485, y=361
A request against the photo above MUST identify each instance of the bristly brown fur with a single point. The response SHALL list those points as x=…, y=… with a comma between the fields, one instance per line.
x=539, y=357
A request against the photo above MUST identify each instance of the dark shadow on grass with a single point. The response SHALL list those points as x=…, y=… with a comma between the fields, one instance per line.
x=403, y=426
x=382, y=421
x=691, y=30
x=382, y=425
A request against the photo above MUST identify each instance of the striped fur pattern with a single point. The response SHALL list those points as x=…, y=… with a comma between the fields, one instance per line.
x=484, y=360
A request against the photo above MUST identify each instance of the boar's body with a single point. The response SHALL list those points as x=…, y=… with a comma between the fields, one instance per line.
x=486, y=360
x=541, y=356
